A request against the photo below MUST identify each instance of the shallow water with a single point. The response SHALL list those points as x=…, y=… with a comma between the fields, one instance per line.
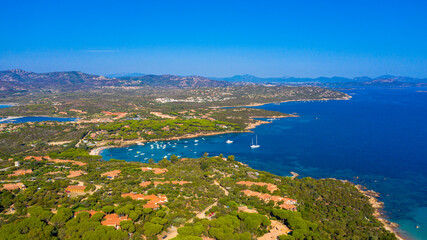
x=378, y=139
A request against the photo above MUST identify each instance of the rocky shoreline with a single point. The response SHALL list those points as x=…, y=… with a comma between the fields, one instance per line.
x=378, y=213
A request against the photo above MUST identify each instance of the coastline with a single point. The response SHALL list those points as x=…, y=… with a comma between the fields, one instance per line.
x=378, y=206
x=97, y=150
x=348, y=97
x=370, y=194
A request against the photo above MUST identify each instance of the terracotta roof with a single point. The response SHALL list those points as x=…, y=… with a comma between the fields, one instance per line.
x=13, y=186
x=112, y=174
x=271, y=187
x=155, y=170
x=76, y=173
x=289, y=203
x=160, y=183
x=113, y=220
x=20, y=172
x=68, y=161
x=251, y=193
x=153, y=202
x=276, y=198
x=265, y=196
x=288, y=206
x=134, y=196
x=144, y=184
x=180, y=182
x=289, y=200
x=40, y=158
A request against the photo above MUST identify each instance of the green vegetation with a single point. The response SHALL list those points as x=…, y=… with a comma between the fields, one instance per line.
x=155, y=129
x=203, y=197
x=348, y=211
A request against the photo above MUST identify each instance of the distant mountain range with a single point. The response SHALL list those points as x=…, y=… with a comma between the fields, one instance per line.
x=382, y=80
x=17, y=80
x=173, y=81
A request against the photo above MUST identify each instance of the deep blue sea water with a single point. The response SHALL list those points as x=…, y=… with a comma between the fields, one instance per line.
x=377, y=139
x=33, y=119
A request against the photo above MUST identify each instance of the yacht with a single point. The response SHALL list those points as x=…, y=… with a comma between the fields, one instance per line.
x=256, y=143
x=229, y=141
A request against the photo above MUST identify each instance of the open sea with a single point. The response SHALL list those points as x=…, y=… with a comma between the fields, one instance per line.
x=377, y=139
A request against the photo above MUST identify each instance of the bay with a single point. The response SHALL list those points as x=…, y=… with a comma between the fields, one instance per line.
x=377, y=139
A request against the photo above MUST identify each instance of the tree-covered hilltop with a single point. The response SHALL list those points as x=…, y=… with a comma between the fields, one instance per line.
x=154, y=129
x=213, y=197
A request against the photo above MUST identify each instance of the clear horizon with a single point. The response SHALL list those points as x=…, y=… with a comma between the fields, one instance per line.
x=217, y=38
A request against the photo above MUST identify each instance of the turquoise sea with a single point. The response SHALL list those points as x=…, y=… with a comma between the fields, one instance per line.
x=377, y=139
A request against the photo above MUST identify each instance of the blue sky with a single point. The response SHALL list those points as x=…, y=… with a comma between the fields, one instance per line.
x=216, y=38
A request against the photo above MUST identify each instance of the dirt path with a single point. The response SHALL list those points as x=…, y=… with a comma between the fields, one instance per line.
x=80, y=141
x=173, y=231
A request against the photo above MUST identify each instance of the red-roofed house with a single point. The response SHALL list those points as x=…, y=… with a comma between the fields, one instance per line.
x=76, y=173
x=153, y=202
x=112, y=174
x=20, y=172
x=13, y=186
x=114, y=220
x=155, y=170
x=290, y=207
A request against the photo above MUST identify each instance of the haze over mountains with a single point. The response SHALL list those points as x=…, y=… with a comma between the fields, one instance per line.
x=385, y=79
x=17, y=80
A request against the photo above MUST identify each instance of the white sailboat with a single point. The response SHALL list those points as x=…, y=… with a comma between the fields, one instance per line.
x=229, y=141
x=256, y=142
